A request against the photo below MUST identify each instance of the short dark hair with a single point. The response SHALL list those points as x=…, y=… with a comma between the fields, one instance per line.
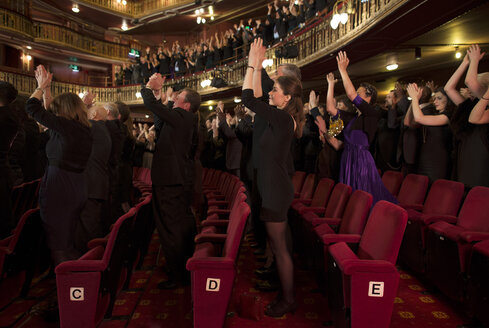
x=193, y=98
x=370, y=91
x=8, y=93
x=425, y=95
x=124, y=111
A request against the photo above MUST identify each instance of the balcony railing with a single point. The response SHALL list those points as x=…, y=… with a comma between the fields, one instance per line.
x=314, y=41
x=63, y=36
x=15, y=22
x=136, y=9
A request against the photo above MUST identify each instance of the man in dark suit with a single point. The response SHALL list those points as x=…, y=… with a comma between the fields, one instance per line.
x=97, y=176
x=233, y=145
x=170, y=175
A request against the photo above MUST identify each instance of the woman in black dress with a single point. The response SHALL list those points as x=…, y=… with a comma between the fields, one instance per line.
x=63, y=191
x=434, y=154
x=274, y=183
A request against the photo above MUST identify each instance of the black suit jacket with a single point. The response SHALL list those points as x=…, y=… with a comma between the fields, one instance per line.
x=233, y=146
x=97, y=171
x=174, y=146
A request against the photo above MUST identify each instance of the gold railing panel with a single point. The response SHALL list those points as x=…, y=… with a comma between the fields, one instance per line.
x=136, y=9
x=14, y=22
x=63, y=36
x=313, y=42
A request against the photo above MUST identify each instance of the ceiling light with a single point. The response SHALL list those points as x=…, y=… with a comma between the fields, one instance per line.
x=201, y=10
x=29, y=57
x=124, y=2
x=124, y=26
x=335, y=21
x=205, y=83
x=29, y=47
x=211, y=108
x=203, y=20
x=237, y=99
x=267, y=62
x=392, y=66
x=343, y=18
x=212, y=18
x=75, y=8
x=146, y=116
x=196, y=11
x=118, y=1
x=458, y=54
x=211, y=10
x=81, y=95
x=138, y=95
x=199, y=20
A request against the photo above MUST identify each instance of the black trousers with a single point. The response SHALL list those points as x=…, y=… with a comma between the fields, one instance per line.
x=176, y=228
x=90, y=225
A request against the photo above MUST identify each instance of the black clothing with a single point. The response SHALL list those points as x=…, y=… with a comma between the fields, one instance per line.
x=97, y=171
x=244, y=132
x=233, y=146
x=274, y=182
x=434, y=153
x=30, y=165
x=385, y=145
x=310, y=144
x=9, y=125
x=16, y=158
x=63, y=191
x=471, y=147
x=171, y=175
x=369, y=119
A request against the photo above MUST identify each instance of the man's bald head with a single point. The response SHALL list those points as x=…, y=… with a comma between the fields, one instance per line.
x=97, y=113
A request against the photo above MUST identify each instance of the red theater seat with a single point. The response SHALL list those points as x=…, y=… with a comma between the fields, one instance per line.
x=298, y=181
x=442, y=204
x=213, y=272
x=362, y=286
x=412, y=192
x=478, y=278
x=449, y=245
x=392, y=181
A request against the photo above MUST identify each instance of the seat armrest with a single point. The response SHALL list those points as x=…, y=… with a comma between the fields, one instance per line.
x=215, y=223
x=330, y=221
x=317, y=210
x=351, y=266
x=210, y=237
x=97, y=242
x=89, y=262
x=336, y=238
x=448, y=230
x=417, y=207
x=217, y=202
x=430, y=219
x=219, y=211
x=473, y=236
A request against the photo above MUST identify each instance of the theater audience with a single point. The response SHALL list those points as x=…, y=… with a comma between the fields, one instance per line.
x=274, y=182
x=170, y=177
x=97, y=180
x=434, y=153
x=227, y=124
x=63, y=190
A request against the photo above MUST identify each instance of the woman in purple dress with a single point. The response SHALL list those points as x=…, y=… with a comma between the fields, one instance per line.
x=357, y=167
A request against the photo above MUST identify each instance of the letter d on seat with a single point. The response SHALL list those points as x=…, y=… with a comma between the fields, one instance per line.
x=212, y=285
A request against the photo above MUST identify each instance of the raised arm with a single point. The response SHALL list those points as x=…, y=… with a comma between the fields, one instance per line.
x=150, y=94
x=343, y=62
x=480, y=113
x=451, y=86
x=430, y=120
x=471, y=81
x=330, y=103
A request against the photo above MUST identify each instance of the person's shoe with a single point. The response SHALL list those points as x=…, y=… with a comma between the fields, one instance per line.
x=265, y=273
x=275, y=301
x=281, y=308
x=167, y=284
x=267, y=285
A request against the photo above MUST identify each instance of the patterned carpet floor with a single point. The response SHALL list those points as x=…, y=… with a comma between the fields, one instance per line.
x=144, y=305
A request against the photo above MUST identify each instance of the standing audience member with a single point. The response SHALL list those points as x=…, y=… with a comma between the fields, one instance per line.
x=435, y=150
x=233, y=145
x=169, y=174
x=357, y=167
x=125, y=164
x=114, y=126
x=274, y=182
x=9, y=126
x=97, y=180
x=63, y=190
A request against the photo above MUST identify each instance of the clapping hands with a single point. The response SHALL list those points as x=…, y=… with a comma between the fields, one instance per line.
x=43, y=77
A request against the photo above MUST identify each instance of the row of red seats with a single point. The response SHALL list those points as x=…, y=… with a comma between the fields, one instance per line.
x=349, y=251
x=436, y=241
x=88, y=287
x=213, y=264
x=24, y=197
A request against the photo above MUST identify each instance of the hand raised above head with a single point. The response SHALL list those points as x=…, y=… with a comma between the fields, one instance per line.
x=330, y=78
x=43, y=77
x=88, y=98
x=313, y=99
x=413, y=91
x=474, y=53
x=155, y=82
x=240, y=111
x=342, y=60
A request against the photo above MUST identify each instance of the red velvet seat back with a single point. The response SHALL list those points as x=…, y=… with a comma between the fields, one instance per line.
x=237, y=222
x=298, y=180
x=444, y=198
x=307, y=187
x=356, y=213
x=474, y=215
x=413, y=189
x=392, y=181
x=383, y=233
x=337, y=201
x=322, y=192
